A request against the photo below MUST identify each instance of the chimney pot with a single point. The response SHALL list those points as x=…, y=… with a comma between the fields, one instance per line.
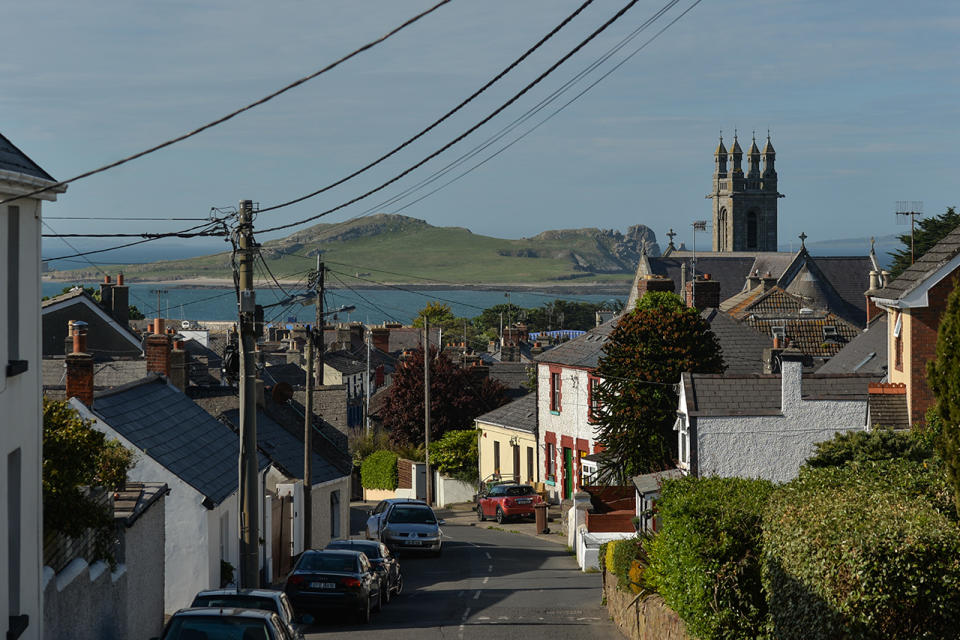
x=120, y=278
x=79, y=333
x=158, y=326
x=106, y=278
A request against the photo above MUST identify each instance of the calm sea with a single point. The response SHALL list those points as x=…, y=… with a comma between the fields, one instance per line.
x=372, y=305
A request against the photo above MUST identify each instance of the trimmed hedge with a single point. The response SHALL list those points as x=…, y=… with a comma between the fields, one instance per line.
x=863, y=551
x=705, y=561
x=379, y=470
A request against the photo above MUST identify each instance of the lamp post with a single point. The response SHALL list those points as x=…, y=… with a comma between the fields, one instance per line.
x=699, y=225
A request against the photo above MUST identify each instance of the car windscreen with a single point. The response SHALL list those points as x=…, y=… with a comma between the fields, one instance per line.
x=371, y=550
x=328, y=562
x=520, y=491
x=217, y=628
x=412, y=515
x=238, y=601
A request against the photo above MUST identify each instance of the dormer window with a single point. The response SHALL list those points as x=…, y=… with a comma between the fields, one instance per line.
x=778, y=332
x=830, y=333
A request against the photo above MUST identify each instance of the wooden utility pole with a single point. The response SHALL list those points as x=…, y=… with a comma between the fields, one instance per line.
x=426, y=405
x=307, y=509
x=318, y=328
x=366, y=387
x=248, y=488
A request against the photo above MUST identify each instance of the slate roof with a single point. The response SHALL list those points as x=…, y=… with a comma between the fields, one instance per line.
x=889, y=410
x=760, y=394
x=513, y=375
x=135, y=498
x=650, y=482
x=12, y=159
x=291, y=373
x=926, y=265
x=867, y=353
x=742, y=346
x=764, y=310
x=730, y=271
x=520, y=415
x=286, y=450
x=106, y=374
x=584, y=351
x=344, y=362
x=169, y=427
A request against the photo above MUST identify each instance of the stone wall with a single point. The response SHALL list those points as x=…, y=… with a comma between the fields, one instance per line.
x=645, y=618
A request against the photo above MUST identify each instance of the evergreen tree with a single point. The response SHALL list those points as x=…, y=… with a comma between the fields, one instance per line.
x=641, y=364
x=928, y=232
x=943, y=374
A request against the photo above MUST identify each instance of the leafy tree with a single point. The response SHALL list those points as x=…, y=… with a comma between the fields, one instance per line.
x=455, y=399
x=868, y=446
x=456, y=455
x=75, y=457
x=439, y=314
x=641, y=363
x=490, y=317
x=928, y=232
x=943, y=375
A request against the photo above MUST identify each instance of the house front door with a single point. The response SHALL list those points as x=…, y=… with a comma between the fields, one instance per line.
x=567, y=473
x=516, y=463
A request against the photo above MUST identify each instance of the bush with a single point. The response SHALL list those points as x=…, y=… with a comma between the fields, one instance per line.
x=705, y=561
x=867, y=551
x=379, y=470
x=863, y=446
x=455, y=455
x=620, y=555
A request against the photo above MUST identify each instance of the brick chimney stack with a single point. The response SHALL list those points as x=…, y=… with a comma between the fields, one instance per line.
x=653, y=283
x=121, y=302
x=106, y=294
x=79, y=364
x=703, y=294
x=380, y=338
x=158, y=350
x=178, y=366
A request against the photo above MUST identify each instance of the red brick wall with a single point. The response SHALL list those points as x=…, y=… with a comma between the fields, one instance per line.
x=653, y=284
x=924, y=324
x=79, y=379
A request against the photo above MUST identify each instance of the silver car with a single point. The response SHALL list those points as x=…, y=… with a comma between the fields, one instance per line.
x=379, y=511
x=411, y=527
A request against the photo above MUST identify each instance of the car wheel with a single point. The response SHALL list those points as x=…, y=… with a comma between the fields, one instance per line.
x=480, y=515
x=364, y=613
x=398, y=585
x=500, y=516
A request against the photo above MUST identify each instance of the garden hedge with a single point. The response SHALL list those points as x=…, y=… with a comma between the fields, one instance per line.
x=379, y=470
x=863, y=551
x=618, y=558
x=705, y=561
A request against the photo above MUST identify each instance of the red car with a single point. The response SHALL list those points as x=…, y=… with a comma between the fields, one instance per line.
x=507, y=501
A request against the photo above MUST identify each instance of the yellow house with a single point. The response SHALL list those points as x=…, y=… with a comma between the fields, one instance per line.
x=508, y=441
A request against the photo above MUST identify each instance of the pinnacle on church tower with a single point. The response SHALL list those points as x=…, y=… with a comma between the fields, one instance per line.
x=745, y=206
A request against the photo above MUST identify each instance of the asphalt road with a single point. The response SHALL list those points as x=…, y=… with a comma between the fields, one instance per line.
x=488, y=584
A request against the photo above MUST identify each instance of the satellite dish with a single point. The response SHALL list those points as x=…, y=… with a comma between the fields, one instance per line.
x=282, y=393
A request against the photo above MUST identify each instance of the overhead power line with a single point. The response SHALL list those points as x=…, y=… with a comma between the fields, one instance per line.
x=442, y=118
x=466, y=133
x=235, y=113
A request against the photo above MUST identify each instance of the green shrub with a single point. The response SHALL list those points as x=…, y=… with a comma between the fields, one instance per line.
x=705, y=561
x=602, y=555
x=620, y=556
x=863, y=551
x=379, y=470
x=455, y=455
x=863, y=446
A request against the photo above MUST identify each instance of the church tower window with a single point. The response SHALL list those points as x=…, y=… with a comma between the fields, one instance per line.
x=752, y=230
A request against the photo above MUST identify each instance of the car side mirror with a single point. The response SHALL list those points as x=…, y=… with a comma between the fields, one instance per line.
x=441, y=522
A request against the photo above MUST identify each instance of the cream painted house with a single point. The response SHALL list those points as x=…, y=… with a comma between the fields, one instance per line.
x=507, y=439
x=21, y=555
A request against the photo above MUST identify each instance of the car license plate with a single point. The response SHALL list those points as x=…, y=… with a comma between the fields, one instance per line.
x=323, y=585
x=524, y=500
x=414, y=542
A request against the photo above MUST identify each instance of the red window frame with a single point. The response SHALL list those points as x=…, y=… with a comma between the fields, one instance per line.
x=593, y=405
x=549, y=453
x=556, y=389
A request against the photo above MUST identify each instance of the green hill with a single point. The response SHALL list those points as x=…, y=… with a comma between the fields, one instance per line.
x=375, y=247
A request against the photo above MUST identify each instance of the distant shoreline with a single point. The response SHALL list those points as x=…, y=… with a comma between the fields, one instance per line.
x=621, y=288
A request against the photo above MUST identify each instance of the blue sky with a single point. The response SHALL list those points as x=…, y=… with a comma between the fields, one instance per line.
x=862, y=99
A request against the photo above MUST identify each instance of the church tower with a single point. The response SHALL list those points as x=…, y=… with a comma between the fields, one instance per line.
x=744, y=205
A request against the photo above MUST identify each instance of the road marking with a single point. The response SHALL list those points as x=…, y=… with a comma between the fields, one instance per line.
x=466, y=614
x=490, y=568
x=489, y=557
x=486, y=579
x=483, y=617
x=460, y=595
x=476, y=596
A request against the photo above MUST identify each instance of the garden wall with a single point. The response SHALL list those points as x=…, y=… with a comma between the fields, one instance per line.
x=644, y=618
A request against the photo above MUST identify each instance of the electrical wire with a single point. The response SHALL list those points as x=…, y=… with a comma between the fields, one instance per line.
x=442, y=118
x=466, y=133
x=359, y=295
x=232, y=114
x=398, y=288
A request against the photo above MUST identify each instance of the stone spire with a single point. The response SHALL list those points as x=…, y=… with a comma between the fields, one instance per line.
x=753, y=160
x=736, y=155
